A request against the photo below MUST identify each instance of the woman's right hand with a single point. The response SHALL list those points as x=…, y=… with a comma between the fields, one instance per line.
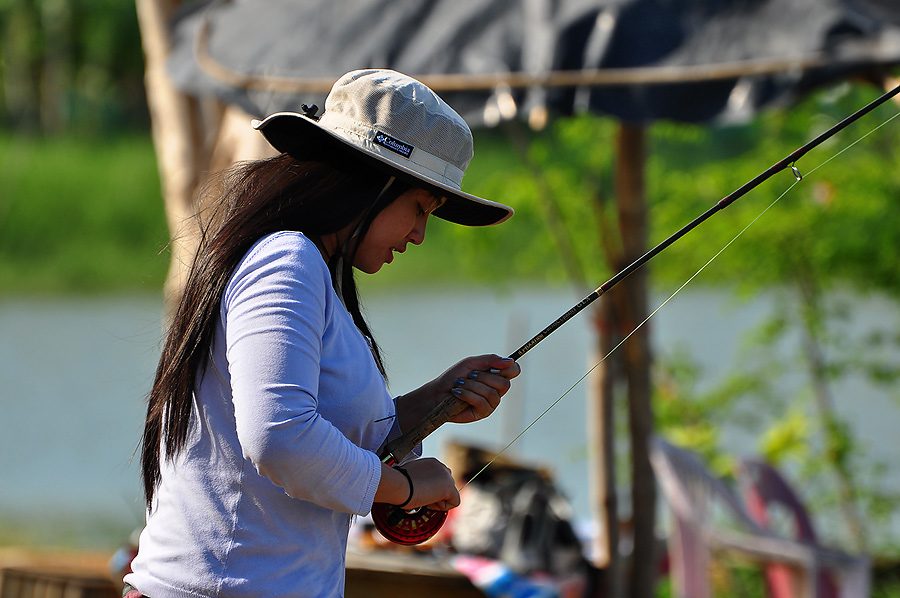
x=433, y=485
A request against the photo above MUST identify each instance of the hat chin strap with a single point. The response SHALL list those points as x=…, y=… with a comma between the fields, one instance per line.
x=362, y=220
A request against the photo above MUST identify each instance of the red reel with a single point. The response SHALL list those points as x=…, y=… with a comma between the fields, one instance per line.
x=407, y=527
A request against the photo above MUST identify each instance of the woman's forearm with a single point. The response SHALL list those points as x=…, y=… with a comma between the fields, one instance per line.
x=415, y=405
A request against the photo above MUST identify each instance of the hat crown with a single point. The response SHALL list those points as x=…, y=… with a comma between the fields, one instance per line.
x=404, y=109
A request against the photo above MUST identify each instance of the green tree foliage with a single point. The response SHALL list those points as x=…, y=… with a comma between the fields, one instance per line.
x=829, y=232
x=70, y=65
x=835, y=222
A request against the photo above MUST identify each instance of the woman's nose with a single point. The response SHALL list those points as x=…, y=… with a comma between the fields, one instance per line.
x=417, y=235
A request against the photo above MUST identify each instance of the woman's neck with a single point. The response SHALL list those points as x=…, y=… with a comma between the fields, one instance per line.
x=332, y=245
x=327, y=245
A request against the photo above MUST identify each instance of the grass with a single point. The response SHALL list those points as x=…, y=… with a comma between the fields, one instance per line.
x=86, y=215
x=80, y=216
x=68, y=531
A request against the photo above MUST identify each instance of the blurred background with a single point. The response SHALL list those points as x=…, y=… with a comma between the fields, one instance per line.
x=784, y=347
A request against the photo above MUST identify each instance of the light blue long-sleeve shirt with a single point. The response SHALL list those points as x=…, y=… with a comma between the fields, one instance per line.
x=281, y=449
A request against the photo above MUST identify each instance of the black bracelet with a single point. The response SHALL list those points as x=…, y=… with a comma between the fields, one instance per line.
x=408, y=479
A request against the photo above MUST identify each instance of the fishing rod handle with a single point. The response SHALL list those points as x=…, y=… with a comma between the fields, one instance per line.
x=397, y=449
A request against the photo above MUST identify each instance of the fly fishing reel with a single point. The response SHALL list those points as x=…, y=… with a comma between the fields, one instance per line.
x=413, y=526
x=407, y=527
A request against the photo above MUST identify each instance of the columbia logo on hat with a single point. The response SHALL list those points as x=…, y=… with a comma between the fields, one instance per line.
x=395, y=145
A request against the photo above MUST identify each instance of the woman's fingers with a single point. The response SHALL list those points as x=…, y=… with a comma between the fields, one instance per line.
x=443, y=505
x=485, y=380
x=433, y=485
x=482, y=391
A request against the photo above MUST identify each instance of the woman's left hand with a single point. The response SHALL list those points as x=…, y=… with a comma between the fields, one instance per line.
x=481, y=381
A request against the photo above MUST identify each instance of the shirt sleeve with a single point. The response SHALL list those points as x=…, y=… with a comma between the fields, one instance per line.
x=275, y=311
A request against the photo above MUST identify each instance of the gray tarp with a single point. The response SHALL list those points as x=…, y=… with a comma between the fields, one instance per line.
x=234, y=50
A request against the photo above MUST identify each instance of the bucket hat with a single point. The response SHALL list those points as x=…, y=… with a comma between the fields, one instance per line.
x=399, y=125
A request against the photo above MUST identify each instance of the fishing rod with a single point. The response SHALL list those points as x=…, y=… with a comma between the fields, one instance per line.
x=418, y=525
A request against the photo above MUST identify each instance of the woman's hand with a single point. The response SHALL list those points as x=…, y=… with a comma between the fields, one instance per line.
x=481, y=381
x=431, y=481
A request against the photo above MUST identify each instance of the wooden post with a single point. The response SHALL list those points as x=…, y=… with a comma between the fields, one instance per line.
x=632, y=303
x=175, y=137
x=601, y=446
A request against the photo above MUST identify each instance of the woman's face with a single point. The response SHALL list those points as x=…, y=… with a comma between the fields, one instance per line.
x=400, y=223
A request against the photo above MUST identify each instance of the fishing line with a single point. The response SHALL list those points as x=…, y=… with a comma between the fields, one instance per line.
x=638, y=327
x=854, y=143
x=798, y=177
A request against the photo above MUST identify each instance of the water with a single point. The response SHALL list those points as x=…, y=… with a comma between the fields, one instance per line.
x=74, y=372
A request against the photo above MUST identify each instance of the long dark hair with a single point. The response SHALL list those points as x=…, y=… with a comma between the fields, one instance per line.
x=250, y=201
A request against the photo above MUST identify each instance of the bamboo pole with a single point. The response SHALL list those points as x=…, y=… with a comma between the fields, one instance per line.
x=175, y=139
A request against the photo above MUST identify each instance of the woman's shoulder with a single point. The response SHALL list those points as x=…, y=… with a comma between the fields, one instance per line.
x=283, y=249
x=285, y=242
x=285, y=256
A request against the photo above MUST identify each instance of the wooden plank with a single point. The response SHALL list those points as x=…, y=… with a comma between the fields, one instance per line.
x=369, y=575
x=50, y=582
x=383, y=575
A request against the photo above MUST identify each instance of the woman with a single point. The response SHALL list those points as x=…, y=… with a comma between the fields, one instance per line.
x=269, y=403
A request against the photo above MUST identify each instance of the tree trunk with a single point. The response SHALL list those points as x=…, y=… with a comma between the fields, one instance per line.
x=21, y=51
x=601, y=419
x=57, y=75
x=837, y=452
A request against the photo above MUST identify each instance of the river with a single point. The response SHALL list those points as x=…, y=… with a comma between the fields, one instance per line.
x=74, y=372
